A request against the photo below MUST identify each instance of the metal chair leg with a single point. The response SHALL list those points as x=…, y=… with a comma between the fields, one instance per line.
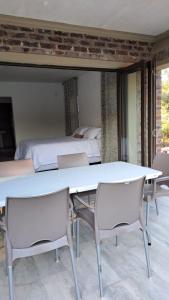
x=156, y=204
x=99, y=269
x=10, y=280
x=77, y=237
x=75, y=274
x=73, y=223
x=148, y=237
x=147, y=211
x=73, y=228
x=116, y=240
x=57, y=257
x=6, y=261
x=146, y=254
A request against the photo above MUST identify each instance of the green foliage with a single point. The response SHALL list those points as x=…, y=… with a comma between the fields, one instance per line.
x=165, y=106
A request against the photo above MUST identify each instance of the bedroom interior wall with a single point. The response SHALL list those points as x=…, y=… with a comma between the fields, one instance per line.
x=89, y=99
x=38, y=109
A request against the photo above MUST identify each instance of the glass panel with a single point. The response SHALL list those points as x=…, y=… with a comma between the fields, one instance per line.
x=162, y=111
x=133, y=118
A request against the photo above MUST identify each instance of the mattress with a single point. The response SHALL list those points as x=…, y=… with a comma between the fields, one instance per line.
x=44, y=152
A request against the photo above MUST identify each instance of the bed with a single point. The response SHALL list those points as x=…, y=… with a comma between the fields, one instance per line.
x=44, y=152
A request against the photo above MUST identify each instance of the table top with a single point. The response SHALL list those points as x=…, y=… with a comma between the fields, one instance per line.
x=77, y=179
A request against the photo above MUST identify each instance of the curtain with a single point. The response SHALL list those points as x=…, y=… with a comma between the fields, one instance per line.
x=109, y=116
x=71, y=107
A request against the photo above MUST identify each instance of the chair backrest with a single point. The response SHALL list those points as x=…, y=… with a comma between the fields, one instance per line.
x=16, y=167
x=37, y=219
x=118, y=203
x=161, y=163
x=72, y=160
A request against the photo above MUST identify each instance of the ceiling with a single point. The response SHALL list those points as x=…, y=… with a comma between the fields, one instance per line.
x=149, y=17
x=30, y=74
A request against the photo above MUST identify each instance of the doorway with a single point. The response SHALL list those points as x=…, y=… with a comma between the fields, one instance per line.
x=7, y=137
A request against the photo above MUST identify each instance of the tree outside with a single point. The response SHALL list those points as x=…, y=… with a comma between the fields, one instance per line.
x=165, y=109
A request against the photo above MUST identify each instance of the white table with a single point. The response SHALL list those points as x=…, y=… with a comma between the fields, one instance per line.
x=77, y=179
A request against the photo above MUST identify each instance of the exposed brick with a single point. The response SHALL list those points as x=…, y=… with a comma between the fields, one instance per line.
x=139, y=48
x=35, y=36
x=12, y=42
x=143, y=43
x=126, y=47
x=91, y=37
x=3, y=33
x=109, y=51
x=121, y=52
x=112, y=45
x=132, y=42
x=134, y=53
x=76, y=35
x=64, y=47
x=118, y=41
x=69, y=40
x=30, y=44
x=149, y=49
x=26, y=29
x=47, y=45
x=10, y=27
x=84, y=43
x=44, y=31
x=18, y=35
x=61, y=33
x=99, y=44
x=94, y=50
x=4, y=48
x=55, y=42
x=105, y=39
x=55, y=39
x=80, y=49
x=144, y=54
x=25, y=49
x=59, y=52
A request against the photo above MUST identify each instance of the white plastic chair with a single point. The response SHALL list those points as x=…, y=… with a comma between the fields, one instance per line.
x=118, y=208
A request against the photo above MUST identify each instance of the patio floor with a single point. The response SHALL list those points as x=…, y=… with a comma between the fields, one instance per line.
x=124, y=269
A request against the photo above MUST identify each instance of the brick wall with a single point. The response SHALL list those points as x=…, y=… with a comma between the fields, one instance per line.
x=162, y=55
x=76, y=45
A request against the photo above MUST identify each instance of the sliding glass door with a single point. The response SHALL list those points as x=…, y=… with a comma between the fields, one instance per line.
x=132, y=114
x=133, y=118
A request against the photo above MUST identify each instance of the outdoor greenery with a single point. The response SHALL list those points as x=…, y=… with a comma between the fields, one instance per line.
x=165, y=107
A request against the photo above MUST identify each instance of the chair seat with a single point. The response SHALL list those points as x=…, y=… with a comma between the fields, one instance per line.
x=161, y=190
x=87, y=215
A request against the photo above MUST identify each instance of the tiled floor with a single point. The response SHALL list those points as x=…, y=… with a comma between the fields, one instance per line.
x=124, y=269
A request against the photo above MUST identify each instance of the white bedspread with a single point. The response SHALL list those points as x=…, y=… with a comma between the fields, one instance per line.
x=44, y=151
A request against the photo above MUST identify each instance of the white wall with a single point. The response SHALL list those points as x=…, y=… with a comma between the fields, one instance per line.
x=89, y=99
x=38, y=109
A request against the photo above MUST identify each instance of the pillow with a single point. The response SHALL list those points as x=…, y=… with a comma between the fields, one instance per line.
x=80, y=130
x=78, y=136
x=92, y=133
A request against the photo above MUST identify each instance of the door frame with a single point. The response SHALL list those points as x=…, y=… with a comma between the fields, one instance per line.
x=151, y=69
x=9, y=100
